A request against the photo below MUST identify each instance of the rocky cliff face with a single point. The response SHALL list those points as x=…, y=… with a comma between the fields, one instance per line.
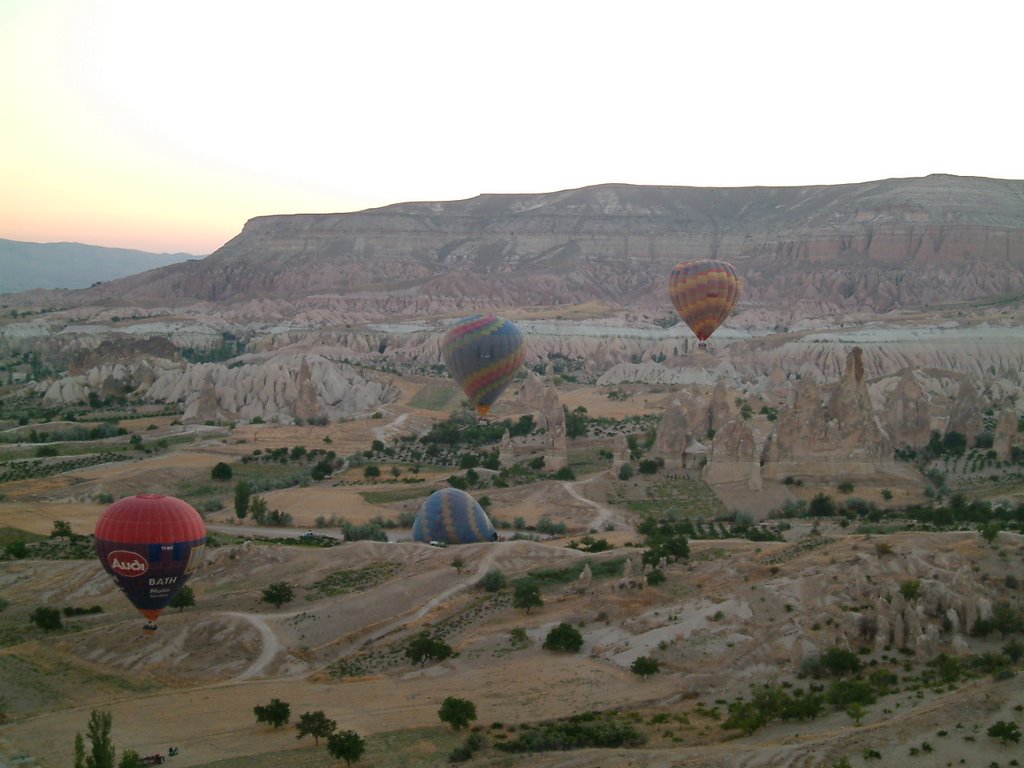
x=875, y=247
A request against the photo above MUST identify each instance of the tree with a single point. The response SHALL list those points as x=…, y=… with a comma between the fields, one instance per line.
x=243, y=493
x=644, y=666
x=856, y=712
x=101, y=754
x=458, y=713
x=278, y=593
x=910, y=589
x=527, y=596
x=839, y=661
x=258, y=509
x=1005, y=731
x=822, y=506
x=1006, y=619
x=371, y=471
x=424, y=648
x=315, y=724
x=564, y=637
x=458, y=564
x=130, y=759
x=79, y=751
x=220, y=471
x=61, y=530
x=346, y=745
x=185, y=598
x=494, y=580
x=276, y=713
x=46, y=618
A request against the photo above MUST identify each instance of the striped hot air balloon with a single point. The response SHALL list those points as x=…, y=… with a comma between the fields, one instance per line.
x=150, y=545
x=483, y=353
x=704, y=292
x=454, y=517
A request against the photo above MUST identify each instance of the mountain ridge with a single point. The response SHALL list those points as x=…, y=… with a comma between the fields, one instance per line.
x=26, y=266
x=865, y=247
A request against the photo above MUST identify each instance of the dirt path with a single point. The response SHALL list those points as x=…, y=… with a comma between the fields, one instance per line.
x=393, y=426
x=271, y=646
x=604, y=514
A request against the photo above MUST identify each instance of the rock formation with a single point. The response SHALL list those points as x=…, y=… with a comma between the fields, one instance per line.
x=734, y=457
x=907, y=413
x=672, y=436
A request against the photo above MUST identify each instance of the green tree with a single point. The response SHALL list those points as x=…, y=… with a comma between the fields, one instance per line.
x=458, y=713
x=79, y=751
x=822, y=506
x=910, y=589
x=61, y=530
x=46, y=618
x=1005, y=731
x=278, y=593
x=220, y=471
x=259, y=509
x=243, y=493
x=276, y=713
x=346, y=745
x=564, y=637
x=1006, y=619
x=494, y=580
x=130, y=759
x=423, y=648
x=183, y=598
x=458, y=564
x=644, y=666
x=527, y=595
x=101, y=754
x=839, y=661
x=315, y=724
x=856, y=712
x=371, y=471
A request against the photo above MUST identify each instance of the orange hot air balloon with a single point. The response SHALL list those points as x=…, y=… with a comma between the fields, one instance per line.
x=704, y=293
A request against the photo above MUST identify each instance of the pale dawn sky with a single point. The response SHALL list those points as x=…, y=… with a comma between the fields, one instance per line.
x=164, y=126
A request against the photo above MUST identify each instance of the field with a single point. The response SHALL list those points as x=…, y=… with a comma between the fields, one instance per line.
x=735, y=616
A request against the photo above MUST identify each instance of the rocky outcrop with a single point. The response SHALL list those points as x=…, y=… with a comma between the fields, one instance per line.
x=966, y=417
x=1006, y=434
x=852, y=428
x=673, y=436
x=735, y=457
x=279, y=388
x=907, y=413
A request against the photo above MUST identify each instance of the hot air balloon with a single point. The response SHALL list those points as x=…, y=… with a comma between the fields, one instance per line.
x=453, y=517
x=150, y=545
x=704, y=292
x=483, y=353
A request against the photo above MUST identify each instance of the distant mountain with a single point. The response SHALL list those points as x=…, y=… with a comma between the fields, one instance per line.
x=871, y=247
x=25, y=266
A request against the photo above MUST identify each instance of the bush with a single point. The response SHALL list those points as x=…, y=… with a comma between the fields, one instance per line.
x=626, y=472
x=276, y=713
x=494, y=580
x=46, y=618
x=220, y=471
x=564, y=637
x=278, y=593
x=456, y=712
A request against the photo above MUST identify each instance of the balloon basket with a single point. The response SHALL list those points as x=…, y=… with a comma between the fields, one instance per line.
x=149, y=628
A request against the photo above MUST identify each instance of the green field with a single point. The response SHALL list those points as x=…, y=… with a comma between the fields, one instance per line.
x=434, y=396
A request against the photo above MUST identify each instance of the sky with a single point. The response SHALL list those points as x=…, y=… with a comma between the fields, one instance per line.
x=165, y=126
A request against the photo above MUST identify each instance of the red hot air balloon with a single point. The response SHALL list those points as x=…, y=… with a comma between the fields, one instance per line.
x=150, y=545
x=704, y=292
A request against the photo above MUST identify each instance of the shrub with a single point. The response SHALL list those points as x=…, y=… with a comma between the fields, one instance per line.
x=564, y=637
x=46, y=618
x=494, y=580
x=220, y=471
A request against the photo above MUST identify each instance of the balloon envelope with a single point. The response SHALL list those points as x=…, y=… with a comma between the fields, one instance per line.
x=454, y=517
x=704, y=292
x=483, y=353
x=150, y=545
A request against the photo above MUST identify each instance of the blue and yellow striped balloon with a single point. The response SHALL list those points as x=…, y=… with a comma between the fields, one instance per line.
x=454, y=517
x=483, y=353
